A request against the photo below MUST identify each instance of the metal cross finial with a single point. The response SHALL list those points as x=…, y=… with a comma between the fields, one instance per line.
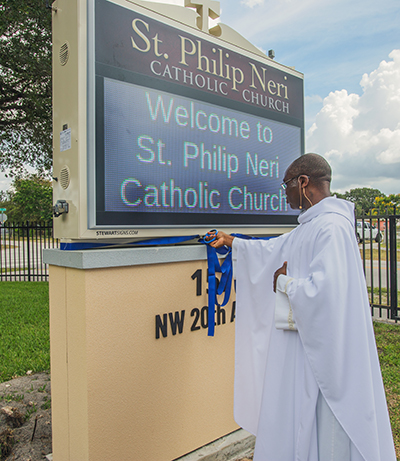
x=206, y=9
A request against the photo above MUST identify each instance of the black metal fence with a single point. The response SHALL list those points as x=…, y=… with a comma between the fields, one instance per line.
x=21, y=249
x=378, y=238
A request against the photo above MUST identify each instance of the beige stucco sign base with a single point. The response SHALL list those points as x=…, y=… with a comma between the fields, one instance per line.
x=118, y=392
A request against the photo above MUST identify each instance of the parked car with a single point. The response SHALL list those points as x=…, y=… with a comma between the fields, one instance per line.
x=367, y=232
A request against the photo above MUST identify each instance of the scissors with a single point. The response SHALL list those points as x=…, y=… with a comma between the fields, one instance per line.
x=214, y=237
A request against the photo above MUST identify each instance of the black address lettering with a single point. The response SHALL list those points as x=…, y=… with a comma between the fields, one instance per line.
x=233, y=314
x=221, y=315
x=198, y=275
x=204, y=316
x=161, y=325
x=176, y=321
x=196, y=314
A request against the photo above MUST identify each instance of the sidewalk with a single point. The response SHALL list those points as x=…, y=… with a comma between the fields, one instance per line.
x=237, y=446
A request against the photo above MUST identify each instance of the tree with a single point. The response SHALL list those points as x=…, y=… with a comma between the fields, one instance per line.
x=5, y=201
x=25, y=85
x=339, y=195
x=30, y=199
x=363, y=198
x=388, y=204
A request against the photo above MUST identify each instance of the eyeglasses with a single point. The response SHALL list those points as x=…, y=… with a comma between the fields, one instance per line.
x=285, y=183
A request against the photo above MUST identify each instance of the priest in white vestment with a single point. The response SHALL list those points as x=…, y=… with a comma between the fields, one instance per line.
x=307, y=376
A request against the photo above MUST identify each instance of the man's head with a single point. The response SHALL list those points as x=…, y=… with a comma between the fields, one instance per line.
x=307, y=181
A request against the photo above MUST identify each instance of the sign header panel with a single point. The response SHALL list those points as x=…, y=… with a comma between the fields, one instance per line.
x=136, y=43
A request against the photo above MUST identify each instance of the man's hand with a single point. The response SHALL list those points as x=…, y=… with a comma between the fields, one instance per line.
x=221, y=239
x=282, y=270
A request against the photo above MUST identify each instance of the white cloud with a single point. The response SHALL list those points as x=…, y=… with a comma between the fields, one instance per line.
x=382, y=94
x=5, y=183
x=360, y=134
x=6, y=180
x=252, y=3
x=392, y=153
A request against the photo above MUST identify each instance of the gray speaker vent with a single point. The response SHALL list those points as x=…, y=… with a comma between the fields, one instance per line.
x=64, y=53
x=64, y=177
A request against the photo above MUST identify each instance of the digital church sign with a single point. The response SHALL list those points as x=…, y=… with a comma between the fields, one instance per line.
x=189, y=130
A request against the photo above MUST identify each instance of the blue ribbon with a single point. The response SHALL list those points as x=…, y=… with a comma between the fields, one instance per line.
x=214, y=266
x=226, y=269
x=149, y=242
x=224, y=285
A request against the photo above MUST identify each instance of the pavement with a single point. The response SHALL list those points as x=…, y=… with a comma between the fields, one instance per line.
x=232, y=447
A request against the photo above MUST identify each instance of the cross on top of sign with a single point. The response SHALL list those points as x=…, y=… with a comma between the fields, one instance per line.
x=206, y=9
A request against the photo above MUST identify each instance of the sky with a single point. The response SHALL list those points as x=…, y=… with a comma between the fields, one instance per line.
x=349, y=53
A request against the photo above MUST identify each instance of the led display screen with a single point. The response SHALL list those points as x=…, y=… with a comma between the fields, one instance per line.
x=189, y=132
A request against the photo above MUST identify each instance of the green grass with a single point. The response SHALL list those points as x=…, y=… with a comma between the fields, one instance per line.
x=383, y=298
x=24, y=328
x=388, y=344
x=24, y=341
x=375, y=253
x=9, y=270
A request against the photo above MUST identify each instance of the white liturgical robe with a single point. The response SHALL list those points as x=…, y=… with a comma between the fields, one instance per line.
x=328, y=349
